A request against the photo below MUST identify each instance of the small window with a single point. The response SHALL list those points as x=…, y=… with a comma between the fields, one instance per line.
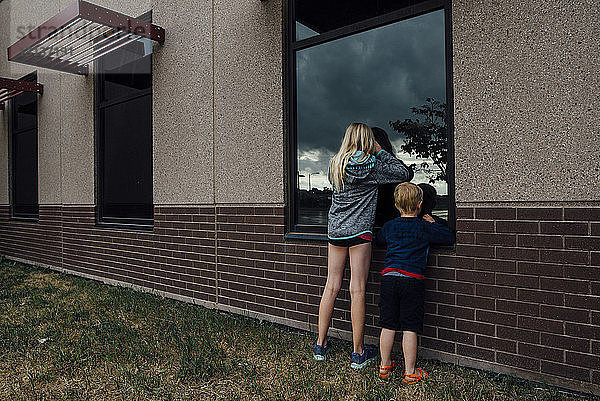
x=23, y=129
x=124, y=135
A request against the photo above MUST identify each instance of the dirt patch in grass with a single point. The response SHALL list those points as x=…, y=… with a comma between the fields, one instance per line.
x=66, y=338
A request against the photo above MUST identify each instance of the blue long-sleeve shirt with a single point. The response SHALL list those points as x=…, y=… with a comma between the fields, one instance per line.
x=407, y=240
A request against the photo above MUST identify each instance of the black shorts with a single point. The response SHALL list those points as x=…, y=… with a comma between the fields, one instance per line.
x=401, y=303
x=348, y=242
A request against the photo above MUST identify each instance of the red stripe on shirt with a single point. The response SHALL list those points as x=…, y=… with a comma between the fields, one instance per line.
x=395, y=269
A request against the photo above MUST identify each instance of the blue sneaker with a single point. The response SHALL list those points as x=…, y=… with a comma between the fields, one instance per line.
x=359, y=361
x=320, y=351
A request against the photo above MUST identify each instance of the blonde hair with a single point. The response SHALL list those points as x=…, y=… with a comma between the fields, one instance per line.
x=358, y=137
x=407, y=197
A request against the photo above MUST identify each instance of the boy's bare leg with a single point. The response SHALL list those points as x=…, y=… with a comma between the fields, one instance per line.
x=336, y=261
x=360, y=262
x=386, y=343
x=409, y=347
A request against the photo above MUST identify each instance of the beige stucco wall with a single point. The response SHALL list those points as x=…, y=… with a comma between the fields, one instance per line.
x=183, y=104
x=248, y=102
x=526, y=100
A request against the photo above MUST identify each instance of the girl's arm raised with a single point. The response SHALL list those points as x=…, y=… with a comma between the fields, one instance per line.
x=389, y=169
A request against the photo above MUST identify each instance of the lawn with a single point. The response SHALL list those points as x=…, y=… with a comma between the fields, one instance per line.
x=67, y=338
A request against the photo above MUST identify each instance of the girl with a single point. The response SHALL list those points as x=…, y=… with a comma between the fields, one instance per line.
x=355, y=172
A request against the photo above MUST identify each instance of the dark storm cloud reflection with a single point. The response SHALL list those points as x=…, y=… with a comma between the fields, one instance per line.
x=372, y=77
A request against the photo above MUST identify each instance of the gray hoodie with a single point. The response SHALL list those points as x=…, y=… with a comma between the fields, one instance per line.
x=352, y=211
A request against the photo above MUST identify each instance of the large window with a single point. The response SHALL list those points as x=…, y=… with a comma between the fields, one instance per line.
x=124, y=135
x=381, y=62
x=23, y=126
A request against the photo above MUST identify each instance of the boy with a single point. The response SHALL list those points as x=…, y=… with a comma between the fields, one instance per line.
x=402, y=289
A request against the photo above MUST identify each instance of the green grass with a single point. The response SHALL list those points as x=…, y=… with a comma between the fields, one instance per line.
x=67, y=338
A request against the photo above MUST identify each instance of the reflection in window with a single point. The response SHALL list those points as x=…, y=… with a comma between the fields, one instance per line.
x=124, y=135
x=24, y=157
x=383, y=77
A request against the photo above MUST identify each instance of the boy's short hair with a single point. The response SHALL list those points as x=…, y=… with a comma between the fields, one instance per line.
x=407, y=197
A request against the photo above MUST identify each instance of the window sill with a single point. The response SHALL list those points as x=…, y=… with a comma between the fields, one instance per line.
x=306, y=236
x=25, y=219
x=125, y=226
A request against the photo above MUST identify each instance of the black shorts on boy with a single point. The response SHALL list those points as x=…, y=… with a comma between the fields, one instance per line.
x=401, y=303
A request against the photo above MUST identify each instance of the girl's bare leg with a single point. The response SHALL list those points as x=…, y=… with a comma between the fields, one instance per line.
x=336, y=261
x=360, y=262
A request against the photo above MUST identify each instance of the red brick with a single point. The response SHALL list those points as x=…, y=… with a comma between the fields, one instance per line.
x=542, y=269
x=456, y=312
x=464, y=213
x=455, y=261
x=564, y=285
x=475, y=225
x=583, y=301
x=571, y=257
x=583, y=360
x=590, y=332
x=475, y=302
x=465, y=238
x=565, y=342
x=566, y=314
x=496, y=239
x=539, y=213
x=495, y=265
x=456, y=336
x=568, y=371
x=542, y=297
x=517, y=227
x=582, y=214
x=543, y=325
x=518, y=334
x=506, y=319
x=519, y=254
x=496, y=343
x=441, y=273
x=439, y=321
x=496, y=291
x=455, y=287
x=540, y=241
x=522, y=308
x=439, y=345
x=518, y=280
x=495, y=213
x=518, y=361
x=537, y=351
x=475, y=327
x=584, y=243
x=475, y=352
x=475, y=276
x=563, y=228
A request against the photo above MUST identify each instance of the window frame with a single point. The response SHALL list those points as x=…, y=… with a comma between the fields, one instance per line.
x=12, y=116
x=135, y=223
x=291, y=46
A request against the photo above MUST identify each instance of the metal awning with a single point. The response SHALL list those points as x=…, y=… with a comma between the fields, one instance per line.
x=78, y=35
x=10, y=88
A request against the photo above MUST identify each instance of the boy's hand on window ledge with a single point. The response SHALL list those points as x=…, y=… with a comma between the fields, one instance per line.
x=428, y=218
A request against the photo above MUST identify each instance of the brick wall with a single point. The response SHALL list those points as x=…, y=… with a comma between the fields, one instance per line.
x=521, y=294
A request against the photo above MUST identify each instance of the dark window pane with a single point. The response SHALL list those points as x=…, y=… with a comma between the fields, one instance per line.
x=317, y=16
x=127, y=159
x=25, y=106
x=25, y=168
x=127, y=71
x=375, y=77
